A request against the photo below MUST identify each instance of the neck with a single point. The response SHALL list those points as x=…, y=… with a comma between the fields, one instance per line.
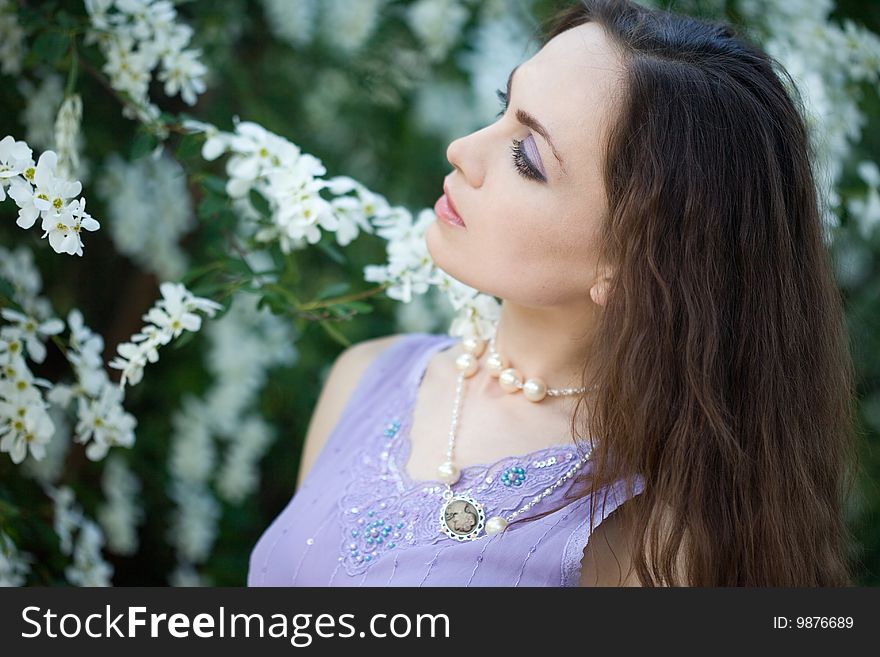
x=549, y=343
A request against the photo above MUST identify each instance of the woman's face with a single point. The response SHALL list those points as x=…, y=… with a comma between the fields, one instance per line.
x=534, y=241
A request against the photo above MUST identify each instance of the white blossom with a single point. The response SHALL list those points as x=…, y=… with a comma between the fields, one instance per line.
x=239, y=475
x=68, y=517
x=15, y=159
x=185, y=575
x=14, y=565
x=193, y=527
x=348, y=25
x=68, y=136
x=292, y=21
x=866, y=210
x=89, y=567
x=11, y=40
x=33, y=331
x=138, y=36
x=121, y=513
x=40, y=192
x=149, y=209
x=103, y=423
x=42, y=103
x=18, y=268
x=183, y=73
x=169, y=317
x=438, y=24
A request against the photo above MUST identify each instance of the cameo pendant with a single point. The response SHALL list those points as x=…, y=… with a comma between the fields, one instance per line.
x=462, y=518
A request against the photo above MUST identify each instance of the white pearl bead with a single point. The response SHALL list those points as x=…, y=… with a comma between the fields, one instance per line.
x=467, y=364
x=474, y=346
x=448, y=473
x=495, y=364
x=495, y=525
x=534, y=389
x=508, y=379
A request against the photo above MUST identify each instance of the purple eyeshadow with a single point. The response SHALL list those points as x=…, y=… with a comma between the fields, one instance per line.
x=531, y=150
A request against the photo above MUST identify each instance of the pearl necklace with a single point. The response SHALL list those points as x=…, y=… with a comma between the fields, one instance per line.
x=509, y=378
x=462, y=517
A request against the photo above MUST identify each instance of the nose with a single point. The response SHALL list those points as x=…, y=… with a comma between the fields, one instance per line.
x=467, y=155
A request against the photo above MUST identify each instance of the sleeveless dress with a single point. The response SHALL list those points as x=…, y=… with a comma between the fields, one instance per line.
x=358, y=520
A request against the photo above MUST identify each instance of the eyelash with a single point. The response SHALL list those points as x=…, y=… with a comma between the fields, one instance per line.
x=520, y=161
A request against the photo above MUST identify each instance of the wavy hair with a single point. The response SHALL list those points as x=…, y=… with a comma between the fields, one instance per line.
x=722, y=361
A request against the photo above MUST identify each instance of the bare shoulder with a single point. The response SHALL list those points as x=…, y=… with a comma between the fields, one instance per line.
x=607, y=559
x=608, y=554
x=340, y=382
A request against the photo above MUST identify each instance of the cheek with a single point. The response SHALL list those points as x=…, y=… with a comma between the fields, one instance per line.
x=544, y=261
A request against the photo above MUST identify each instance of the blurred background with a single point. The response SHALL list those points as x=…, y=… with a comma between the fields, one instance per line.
x=376, y=89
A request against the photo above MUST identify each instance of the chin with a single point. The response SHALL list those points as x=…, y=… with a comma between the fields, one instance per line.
x=445, y=258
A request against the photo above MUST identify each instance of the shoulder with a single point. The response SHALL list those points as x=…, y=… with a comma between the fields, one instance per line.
x=339, y=384
x=607, y=558
x=608, y=554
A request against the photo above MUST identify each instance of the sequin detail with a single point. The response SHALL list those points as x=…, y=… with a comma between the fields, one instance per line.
x=382, y=510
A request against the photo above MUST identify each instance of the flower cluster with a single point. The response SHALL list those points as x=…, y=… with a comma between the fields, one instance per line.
x=174, y=313
x=89, y=567
x=409, y=268
x=866, y=210
x=121, y=513
x=290, y=181
x=136, y=37
x=14, y=565
x=345, y=25
x=11, y=40
x=437, y=24
x=828, y=61
x=102, y=421
x=42, y=101
x=42, y=191
x=149, y=209
x=411, y=271
x=243, y=345
x=25, y=425
x=67, y=136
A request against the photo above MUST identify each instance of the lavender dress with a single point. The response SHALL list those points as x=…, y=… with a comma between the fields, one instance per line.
x=358, y=520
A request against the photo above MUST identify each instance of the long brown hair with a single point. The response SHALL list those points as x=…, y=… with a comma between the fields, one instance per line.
x=722, y=362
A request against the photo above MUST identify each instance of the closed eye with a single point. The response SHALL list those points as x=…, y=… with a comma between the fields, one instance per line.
x=523, y=165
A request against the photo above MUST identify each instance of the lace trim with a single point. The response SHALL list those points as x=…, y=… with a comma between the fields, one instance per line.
x=382, y=510
x=573, y=552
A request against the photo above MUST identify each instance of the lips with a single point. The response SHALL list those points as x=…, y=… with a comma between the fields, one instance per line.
x=445, y=209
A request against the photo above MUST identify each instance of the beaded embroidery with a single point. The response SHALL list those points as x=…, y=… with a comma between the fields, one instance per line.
x=382, y=510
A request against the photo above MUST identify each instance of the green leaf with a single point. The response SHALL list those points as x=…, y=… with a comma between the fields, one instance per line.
x=143, y=144
x=361, y=307
x=276, y=303
x=6, y=289
x=334, y=290
x=51, y=46
x=335, y=333
x=184, y=339
x=214, y=184
x=332, y=252
x=65, y=20
x=339, y=310
x=189, y=146
x=200, y=271
x=260, y=203
x=211, y=205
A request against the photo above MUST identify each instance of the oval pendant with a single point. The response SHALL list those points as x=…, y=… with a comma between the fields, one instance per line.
x=462, y=518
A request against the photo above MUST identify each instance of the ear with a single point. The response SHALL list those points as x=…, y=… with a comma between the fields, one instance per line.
x=599, y=290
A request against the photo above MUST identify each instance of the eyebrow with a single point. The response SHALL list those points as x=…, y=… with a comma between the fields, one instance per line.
x=528, y=120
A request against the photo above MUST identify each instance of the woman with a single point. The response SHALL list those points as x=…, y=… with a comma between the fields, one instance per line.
x=645, y=209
